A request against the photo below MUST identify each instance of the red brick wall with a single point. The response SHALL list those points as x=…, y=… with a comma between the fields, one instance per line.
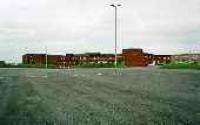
x=159, y=59
x=134, y=57
x=34, y=59
x=131, y=58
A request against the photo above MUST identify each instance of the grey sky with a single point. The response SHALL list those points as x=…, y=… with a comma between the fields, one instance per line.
x=76, y=26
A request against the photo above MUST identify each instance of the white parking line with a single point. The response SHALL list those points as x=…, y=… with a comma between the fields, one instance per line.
x=80, y=75
x=99, y=74
x=75, y=75
x=32, y=76
x=45, y=76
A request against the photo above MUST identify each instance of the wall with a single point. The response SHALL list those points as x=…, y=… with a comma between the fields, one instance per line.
x=131, y=57
x=186, y=57
x=134, y=57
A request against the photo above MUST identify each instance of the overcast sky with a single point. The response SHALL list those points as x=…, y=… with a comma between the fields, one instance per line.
x=77, y=26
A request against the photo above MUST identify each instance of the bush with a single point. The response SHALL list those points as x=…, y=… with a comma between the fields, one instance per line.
x=100, y=65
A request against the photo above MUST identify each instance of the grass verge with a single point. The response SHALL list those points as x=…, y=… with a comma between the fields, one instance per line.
x=181, y=65
x=50, y=66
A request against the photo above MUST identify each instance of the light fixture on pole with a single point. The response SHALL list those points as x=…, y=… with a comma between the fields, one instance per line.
x=46, y=63
x=116, y=7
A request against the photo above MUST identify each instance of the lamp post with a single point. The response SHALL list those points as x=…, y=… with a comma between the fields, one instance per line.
x=46, y=63
x=116, y=7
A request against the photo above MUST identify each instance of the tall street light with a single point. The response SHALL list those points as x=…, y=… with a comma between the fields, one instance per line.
x=116, y=7
x=46, y=63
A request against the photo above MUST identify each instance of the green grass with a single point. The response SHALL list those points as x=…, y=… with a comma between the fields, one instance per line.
x=50, y=66
x=178, y=65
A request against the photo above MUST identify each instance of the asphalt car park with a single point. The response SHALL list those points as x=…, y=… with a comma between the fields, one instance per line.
x=99, y=96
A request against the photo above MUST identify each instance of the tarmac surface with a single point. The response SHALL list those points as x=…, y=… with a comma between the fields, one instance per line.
x=99, y=97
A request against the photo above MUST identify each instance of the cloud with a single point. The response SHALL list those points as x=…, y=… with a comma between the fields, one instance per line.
x=66, y=26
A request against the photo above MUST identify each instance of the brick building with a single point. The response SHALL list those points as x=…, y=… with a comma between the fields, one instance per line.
x=186, y=57
x=41, y=59
x=33, y=59
x=160, y=59
x=136, y=57
x=69, y=59
x=131, y=57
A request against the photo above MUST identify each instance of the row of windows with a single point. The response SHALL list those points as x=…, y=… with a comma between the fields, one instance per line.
x=165, y=58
